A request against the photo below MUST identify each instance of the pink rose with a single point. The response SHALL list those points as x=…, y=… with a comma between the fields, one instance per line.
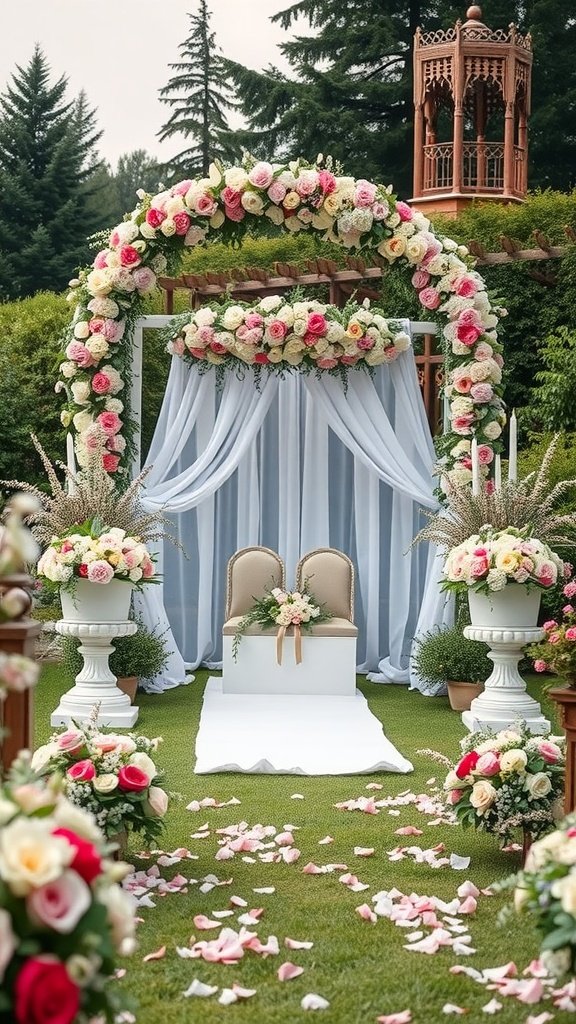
x=554, y=638
x=82, y=771
x=326, y=364
x=205, y=334
x=262, y=358
x=101, y=383
x=100, y=571
x=327, y=182
x=277, y=330
x=316, y=324
x=310, y=339
x=470, y=318
x=218, y=348
x=488, y=764
x=465, y=286
x=253, y=335
x=540, y=666
x=570, y=589
x=44, y=992
x=71, y=742
x=568, y=609
x=261, y=174
x=468, y=335
x=365, y=193
x=482, y=392
x=463, y=424
x=148, y=568
x=60, y=904
x=549, y=625
x=429, y=298
x=349, y=360
x=498, y=359
x=181, y=222
x=78, y=353
x=548, y=750
x=155, y=217
x=110, y=423
x=454, y=796
x=276, y=192
x=478, y=567
x=182, y=187
x=235, y=213
x=158, y=801
x=129, y=256
x=380, y=211
x=113, y=330
x=462, y=384
x=483, y=351
x=306, y=183
x=254, y=320
x=96, y=325
x=568, y=569
x=404, y=211
x=145, y=278
x=232, y=197
x=434, y=247
x=570, y=633
x=110, y=463
x=205, y=205
x=547, y=574
x=420, y=279
x=365, y=343
x=480, y=552
x=485, y=454
x=132, y=779
x=101, y=260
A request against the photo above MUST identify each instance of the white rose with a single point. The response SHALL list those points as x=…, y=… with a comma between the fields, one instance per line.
x=121, y=909
x=7, y=941
x=174, y=206
x=97, y=346
x=271, y=302
x=147, y=231
x=217, y=219
x=492, y=430
x=275, y=214
x=68, y=369
x=158, y=801
x=99, y=282
x=402, y=342
x=67, y=815
x=141, y=760
x=168, y=228
x=233, y=317
x=82, y=421
x=538, y=785
x=514, y=760
x=204, y=317
x=80, y=392
x=482, y=796
x=81, y=330
x=452, y=781
x=30, y=856
x=416, y=249
x=252, y=202
x=236, y=178
x=7, y=811
x=564, y=889
x=105, y=783
x=42, y=756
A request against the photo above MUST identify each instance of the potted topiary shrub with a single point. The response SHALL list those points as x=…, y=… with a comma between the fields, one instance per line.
x=443, y=655
x=140, y=656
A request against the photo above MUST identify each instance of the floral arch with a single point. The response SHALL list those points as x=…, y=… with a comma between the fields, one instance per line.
x=294, y=197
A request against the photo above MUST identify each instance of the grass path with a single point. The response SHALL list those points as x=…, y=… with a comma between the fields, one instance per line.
x=361, y=968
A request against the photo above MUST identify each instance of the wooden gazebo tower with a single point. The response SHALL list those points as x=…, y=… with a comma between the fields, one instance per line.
x=472, y=102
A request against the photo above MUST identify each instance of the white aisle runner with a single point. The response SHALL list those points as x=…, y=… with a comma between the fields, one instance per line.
x=291, y=735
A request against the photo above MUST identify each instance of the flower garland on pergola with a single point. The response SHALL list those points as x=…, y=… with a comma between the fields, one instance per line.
x=295, y=197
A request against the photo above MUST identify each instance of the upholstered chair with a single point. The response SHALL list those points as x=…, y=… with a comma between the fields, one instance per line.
x=251, y=572
x=329, y=575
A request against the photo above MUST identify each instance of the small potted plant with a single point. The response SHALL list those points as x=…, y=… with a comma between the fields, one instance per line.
x=141, y=656
x=444, y=657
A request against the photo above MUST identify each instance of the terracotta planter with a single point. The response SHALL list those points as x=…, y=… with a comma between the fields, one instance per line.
x=128, y=685
x=514, y=607
x=461, y=694
x=97, y=602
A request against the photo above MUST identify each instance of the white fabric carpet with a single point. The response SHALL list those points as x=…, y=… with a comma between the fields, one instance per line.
x=280, y=734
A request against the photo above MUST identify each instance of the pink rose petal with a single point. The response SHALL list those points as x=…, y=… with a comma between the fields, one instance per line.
x=364, y=851
x=532, y=992
x=243, y=993
x=311, y=869
x=467, y=889
x=288, y=970
x=325, y=841
x=296, y=944
x=492, y=1007
x=468, y=906
x=290, y=854
x=374, y=785
x=452, y=1008
x=203, y=923
x=284, y=839
x=536, y=969
x=508, y=970
x=542, y=1018
x=408, y=830
x=159, y=954
x=404, y=1017
x=366, y=913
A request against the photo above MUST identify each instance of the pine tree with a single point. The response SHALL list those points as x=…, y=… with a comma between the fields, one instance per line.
x=135, y=170
x=198, y=93
x=47, y=147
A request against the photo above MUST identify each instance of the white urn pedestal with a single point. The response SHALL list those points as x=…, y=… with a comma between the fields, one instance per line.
x=504, y=700
x=96, y=615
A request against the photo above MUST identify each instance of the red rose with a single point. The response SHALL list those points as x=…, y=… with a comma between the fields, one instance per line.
x=132, y=779
x=155, y=217
x=129, y=256
x=83, y=569
x=44, y=993
x=82, y=771
x=316, y=324
x=261, y=357
x=86, y=861
x=467, y=764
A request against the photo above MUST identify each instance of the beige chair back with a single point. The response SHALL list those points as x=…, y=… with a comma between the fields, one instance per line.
x=330, y=576
x=251, y=572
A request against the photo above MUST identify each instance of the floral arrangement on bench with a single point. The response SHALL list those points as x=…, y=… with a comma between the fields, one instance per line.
x=282, y=608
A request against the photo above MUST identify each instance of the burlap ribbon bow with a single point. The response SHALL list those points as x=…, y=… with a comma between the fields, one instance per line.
x=297, y=643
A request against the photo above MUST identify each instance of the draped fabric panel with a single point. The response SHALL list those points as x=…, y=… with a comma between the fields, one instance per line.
x=293, y=463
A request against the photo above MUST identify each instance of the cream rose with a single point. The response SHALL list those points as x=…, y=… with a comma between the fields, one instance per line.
x=482, y=796
x=392, y=248
x=514, y=760
x=121, y=907
x=537, y=785
x=233, y=317
x=158, y=801
x=67, y=815
x=42, y=756
x=141, y=760
x=7, y=811
x=275, y=214
x=252, y=202
x=291, y=201
x=564, y=889
x=30, y=856
x=81, y=330
x=236, y=178
x=452, y=781
x=105, y=783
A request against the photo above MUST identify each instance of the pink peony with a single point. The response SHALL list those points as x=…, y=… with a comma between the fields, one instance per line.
x=462, y=384
x=277, y=330
x=144, y=279
x=235, y=213
x=547, y=574
x=485, y=454
x=205, y=334
x=181, y=222
x=465, y=286
x=327, y=182
x=463, y=424
x=365, y=193
x=570, y=633
x=570, y=589
x=78, y=353
x=380, y=211
x=82, y=771
x=316, y=324
x=101, y=260
x=554, y=638
x=482, y=392
x=113, y=330
x=549, y=625
x=488, y=764
x=100, y=571
x=276, y=192
x=232, y=197
x=468, y=335
x=470, y=318
x=155, y=217
x=60, y=904
x=261, y=175
x=548, y=750
x=205, y=205
x=110, y=423
x=540, y=666
x=101, y=383
x=478, y=567
x=110, y=463
x=568, y=609
x=365, y=343
x=129, y=256
x=254, y=320
x=420, y=278
x=429, y=298
x=148, y=568
x=349, y=360
x=404, y=211
x=182, y=187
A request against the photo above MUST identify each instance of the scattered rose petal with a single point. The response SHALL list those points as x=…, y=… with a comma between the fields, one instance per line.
x=404, y=1017
x=227, y=997
x=325, y=841
x=536, y=969
x=222, y=913
x=237, y=901
x=468, y=906
x=284, y=839
x=243, y=993
x=249, y=920
x=158, y=954
x=492, y=1007
x=266, y=890
x=508, y=970
x=296, y=944
x=364, y=851
x=532, y=992
x=312, y=1001
x=467, y=889
x=471, y=972
x=288, y=970
x=297, y=796
x=374, y=785
x=459, y=863
x=290, y=854
x=311, y=869
x=452, y=1008
x=542, y=1018
x=198, y=988
x=204, y=924
x=408, y=830
x=366, y=913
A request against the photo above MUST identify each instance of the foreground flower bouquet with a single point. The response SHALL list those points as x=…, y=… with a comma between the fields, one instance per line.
x=281, y=608
x=110, y=775
x=507, y=781
x=492, y=559
x=546, y=889
x=63, y=917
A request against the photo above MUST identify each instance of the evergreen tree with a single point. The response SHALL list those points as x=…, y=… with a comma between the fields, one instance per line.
x=47, y=149
x=349, y=89
x=198, y=93
x=135, y=170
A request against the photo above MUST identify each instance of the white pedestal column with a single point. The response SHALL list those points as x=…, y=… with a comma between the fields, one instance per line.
x=504, y=700
x=95, y=683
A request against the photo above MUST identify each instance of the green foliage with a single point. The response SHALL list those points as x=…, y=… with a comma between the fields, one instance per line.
x=143, y=655
x=46, y=154
x=554, y=397
x=198, y=93
x=443, y=653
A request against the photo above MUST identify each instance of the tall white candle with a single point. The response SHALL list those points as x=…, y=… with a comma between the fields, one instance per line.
x=513, y=453
x=70, y=462
x=498, y=473
x=475, y=468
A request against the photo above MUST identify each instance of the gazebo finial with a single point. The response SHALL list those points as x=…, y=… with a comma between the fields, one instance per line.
x=474, y=13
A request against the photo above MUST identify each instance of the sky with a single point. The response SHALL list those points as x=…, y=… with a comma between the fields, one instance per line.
x=118, y=51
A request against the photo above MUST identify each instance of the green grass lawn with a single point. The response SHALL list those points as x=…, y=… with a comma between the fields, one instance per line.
x=361, y=968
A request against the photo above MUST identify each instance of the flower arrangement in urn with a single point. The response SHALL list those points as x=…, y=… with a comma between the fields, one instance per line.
x=507, y=781
x=63, y=916
x=490, y=560
x=112, y=776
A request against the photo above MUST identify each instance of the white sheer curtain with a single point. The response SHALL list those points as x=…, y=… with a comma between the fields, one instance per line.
x=299, y=463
